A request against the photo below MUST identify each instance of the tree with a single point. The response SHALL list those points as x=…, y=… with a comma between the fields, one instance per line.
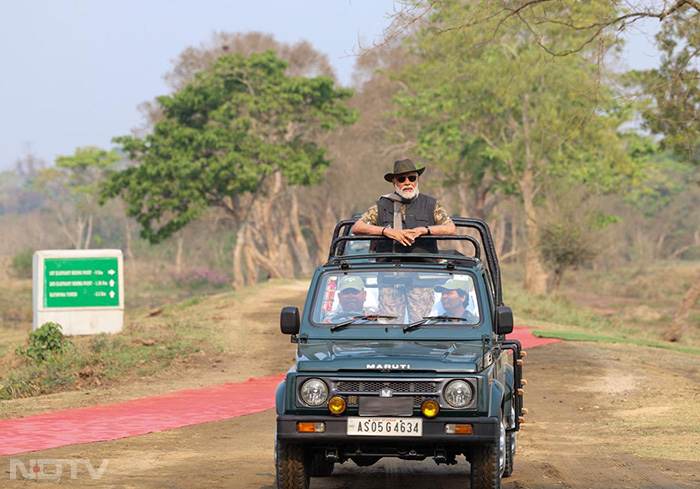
x=673, y=92
x=236, y=133
x=586, y=23
x=503, y=111
x=71, y=190
x=572, y=230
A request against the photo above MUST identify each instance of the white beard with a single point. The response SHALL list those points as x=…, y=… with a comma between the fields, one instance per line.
x=407, y=195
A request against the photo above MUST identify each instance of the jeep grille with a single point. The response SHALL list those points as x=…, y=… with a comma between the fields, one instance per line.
x=353, y=389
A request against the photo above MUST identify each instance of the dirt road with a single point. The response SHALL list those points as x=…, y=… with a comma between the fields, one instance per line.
x=601, y=417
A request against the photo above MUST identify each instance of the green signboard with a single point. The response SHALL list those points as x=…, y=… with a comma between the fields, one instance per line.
x=81, y=282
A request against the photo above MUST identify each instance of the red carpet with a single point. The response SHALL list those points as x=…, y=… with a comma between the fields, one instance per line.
x=528, y=340
x=104, y=422
x=113, y=421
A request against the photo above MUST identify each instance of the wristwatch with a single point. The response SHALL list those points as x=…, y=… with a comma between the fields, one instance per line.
x=428, y=228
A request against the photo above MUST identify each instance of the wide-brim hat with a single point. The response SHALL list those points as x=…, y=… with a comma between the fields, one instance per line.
x=403, y=166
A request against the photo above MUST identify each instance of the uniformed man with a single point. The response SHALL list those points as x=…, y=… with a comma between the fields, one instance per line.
x=404, y=215
x=351, y=299
x=455, y=299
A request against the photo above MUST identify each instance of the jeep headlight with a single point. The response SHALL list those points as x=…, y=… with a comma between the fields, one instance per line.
x=314, y=392
x=458, y=394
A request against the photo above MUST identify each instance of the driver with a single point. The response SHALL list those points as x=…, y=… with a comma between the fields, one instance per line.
x=351, y=298
x=455, y=299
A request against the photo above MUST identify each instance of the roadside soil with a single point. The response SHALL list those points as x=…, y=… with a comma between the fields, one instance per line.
x=249, y=331
x=601, y=416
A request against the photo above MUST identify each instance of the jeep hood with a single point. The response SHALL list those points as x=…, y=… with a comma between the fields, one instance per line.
x=394, y=356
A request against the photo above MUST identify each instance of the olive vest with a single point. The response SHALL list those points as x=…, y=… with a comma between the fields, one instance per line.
x=420, y=212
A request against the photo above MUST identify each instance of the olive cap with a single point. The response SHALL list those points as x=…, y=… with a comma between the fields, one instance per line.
x=453, y=284
x=350, y=282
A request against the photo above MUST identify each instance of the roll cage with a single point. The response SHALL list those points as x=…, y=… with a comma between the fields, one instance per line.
x=341, y=236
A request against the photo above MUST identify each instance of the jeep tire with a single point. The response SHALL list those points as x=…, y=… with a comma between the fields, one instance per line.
x=485, y=469
x=510, y=452
x=319, y=466
x=292, y=465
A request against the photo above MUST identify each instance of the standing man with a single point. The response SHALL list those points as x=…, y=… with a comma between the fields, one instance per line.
x=403, y=216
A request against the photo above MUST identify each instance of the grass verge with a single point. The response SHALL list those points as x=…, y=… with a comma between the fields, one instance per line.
x=580, y=336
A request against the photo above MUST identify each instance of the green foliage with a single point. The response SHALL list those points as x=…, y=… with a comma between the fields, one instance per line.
x=673, y=89
x=661, y=177
x=240, y=121
x=76, y=178
x=486, y=101
x=44, y=343
x=70, y=189
x=22, y=263
x=566, y=244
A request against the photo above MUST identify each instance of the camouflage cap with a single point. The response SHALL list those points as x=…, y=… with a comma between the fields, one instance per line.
x=350, y=282
x=454, y=284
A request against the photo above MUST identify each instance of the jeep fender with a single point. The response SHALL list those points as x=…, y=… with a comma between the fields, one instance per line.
x=279, y=397
x=496, y=398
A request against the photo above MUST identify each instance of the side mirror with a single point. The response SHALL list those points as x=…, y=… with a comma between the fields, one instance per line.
x=289, y=320
x=504, y=320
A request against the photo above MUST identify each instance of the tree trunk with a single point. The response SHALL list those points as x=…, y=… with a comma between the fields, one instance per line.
x=127, y=235
x=556, y=279
x=499, y=234
x=79, y=231
x=535, y=276
x=265, y=263
x=178, y=256
x=680, y=318
x=462, y=192
x=88, y=236
x=301, y=248
x=238, y=276
x=251, y=269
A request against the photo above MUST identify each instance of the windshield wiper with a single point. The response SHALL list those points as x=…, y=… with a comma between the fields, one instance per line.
x=426, y=319
x=366, y=317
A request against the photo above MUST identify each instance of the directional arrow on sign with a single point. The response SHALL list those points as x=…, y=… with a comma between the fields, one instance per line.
x=111, y=283
x=111, y=294
x=111, y=272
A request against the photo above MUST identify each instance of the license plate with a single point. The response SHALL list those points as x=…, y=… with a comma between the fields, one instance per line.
x=385, y=427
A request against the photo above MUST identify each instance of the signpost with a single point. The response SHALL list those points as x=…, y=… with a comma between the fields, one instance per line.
x=82, y=290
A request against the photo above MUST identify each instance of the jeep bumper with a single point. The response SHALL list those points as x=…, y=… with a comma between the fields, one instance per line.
x=485, y=430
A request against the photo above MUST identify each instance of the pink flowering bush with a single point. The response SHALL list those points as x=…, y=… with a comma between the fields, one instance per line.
x=202, y=277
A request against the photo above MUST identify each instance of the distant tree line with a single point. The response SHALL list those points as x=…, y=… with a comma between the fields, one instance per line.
x=515, y=113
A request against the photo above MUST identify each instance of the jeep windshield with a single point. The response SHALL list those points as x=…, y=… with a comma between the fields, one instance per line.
x=390, y=297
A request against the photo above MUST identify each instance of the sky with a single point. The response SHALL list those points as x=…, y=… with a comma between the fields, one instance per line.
x=74, y=71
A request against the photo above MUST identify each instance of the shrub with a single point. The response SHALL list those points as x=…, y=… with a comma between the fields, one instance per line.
x=22, y=263
x=46, y=341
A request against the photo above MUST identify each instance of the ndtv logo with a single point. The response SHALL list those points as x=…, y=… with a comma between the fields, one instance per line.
x=35, y=471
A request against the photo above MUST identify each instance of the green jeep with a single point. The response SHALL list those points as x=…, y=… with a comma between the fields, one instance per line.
x=401, y=355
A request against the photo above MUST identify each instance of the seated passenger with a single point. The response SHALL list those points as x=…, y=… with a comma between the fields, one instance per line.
x=351, y=299
x=405, y=214
x=455, y=299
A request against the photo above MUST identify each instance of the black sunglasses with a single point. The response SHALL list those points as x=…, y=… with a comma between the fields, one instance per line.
x=411, y=178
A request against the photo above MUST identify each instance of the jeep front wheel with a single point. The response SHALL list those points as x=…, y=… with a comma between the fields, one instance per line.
x=292, y=464
x=486, y=467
